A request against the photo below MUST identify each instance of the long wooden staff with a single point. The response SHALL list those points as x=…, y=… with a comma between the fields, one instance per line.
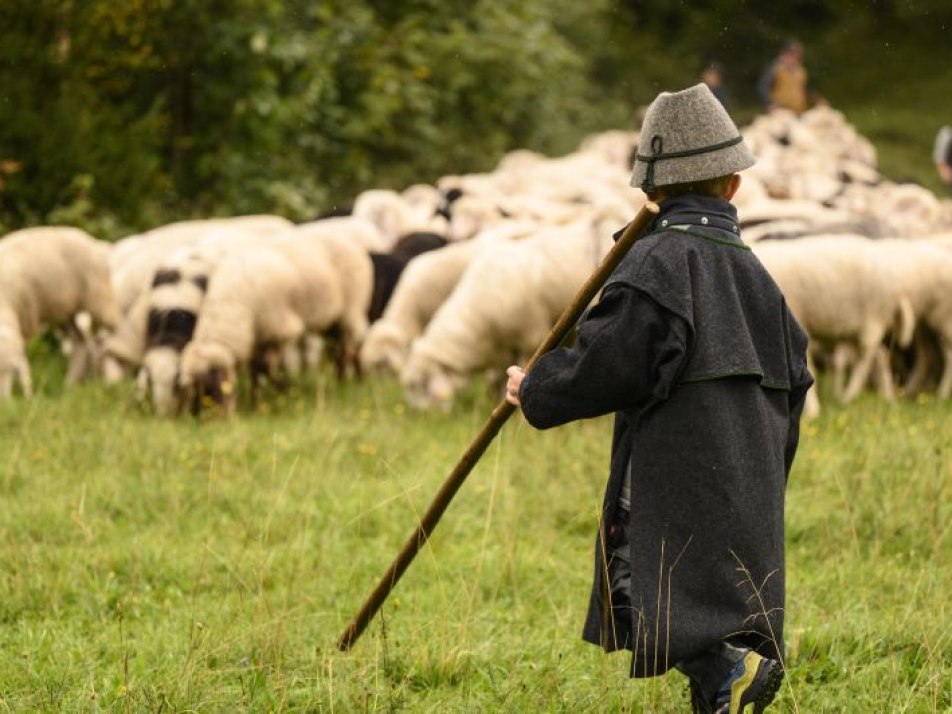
x=492, y=426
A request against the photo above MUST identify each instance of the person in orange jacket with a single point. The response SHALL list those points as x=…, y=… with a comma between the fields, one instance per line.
x=785, y=83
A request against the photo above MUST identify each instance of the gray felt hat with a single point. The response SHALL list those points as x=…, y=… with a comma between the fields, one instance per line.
x=688, y=136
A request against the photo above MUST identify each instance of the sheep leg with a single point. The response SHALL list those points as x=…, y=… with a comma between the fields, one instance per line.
x=197, y=395
x=26, y=380
x=291, y=358
x=811, y=406
x=922, y=364
x=340, y=363
x=264, y=367
x=843, y=356
x=945, y=384
x=884, y=374
x=78, y=364
x=353, y=357
x=861, y=371
x=6, y=385
x=312, y=351
x=255, y=371
x=79, y=356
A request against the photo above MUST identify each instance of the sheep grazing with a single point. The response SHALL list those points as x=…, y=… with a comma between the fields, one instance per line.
x=923, y=270
x=134, y=262
x=173, y=303
x=503, y=306
x=135, y=258
x=262, y=301
x=169, y=309
x=388, y=267
x=424, y=285
x=48, y=276
x=250, y=307
x=842, y=291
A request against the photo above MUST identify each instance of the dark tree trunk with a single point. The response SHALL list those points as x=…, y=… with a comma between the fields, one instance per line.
x=883, y=12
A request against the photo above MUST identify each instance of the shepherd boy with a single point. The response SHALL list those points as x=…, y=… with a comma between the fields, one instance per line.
x=693, y=348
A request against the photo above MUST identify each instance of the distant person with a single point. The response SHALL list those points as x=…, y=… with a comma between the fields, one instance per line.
x=942, y=155
x=785, y=82
x=713, y=76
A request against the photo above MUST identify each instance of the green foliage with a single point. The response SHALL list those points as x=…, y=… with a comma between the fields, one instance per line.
x=121, y=114
x=257, y=105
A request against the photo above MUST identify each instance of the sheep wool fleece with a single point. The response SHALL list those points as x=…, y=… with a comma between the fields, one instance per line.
x=693, y=348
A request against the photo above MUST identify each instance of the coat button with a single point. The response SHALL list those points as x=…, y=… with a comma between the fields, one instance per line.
x=664, y=223
x=704, y=220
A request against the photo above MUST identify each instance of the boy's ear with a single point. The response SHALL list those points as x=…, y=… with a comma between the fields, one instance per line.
x=732, y=186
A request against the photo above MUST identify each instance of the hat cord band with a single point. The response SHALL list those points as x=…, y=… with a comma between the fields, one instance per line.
x=657, y=154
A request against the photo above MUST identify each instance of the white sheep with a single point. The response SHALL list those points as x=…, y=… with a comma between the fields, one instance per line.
x=395, y=216
x=841, y=290
x=613, y=147
x=48, y=275
x=261, y=301
x=923, y=271
x=424, y=285
x=357, y=229
x=504, y=304
x=766, y=216
x=251, y=307
x=135, y=258
x=353, y=268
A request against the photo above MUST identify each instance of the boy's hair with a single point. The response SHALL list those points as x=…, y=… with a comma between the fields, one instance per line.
x=715, y=187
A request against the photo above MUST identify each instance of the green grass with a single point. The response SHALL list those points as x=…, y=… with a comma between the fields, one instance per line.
x=151, y=565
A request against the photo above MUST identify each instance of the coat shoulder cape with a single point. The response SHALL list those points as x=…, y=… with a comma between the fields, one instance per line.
x=712, y=281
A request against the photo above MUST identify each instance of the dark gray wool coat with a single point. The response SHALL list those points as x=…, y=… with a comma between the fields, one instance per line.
x=694, y=349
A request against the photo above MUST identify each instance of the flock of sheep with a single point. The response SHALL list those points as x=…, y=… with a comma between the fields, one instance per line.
x=440, y=283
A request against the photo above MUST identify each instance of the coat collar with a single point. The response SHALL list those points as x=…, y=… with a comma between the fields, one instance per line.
x=697, y=212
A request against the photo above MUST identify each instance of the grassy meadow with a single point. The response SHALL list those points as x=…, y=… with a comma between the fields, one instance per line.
x=206, y=566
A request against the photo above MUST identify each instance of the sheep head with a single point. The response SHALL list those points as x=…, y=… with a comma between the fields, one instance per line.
x=429, y=385
x=385, y=348
x=208, y=375
x=160, y=375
